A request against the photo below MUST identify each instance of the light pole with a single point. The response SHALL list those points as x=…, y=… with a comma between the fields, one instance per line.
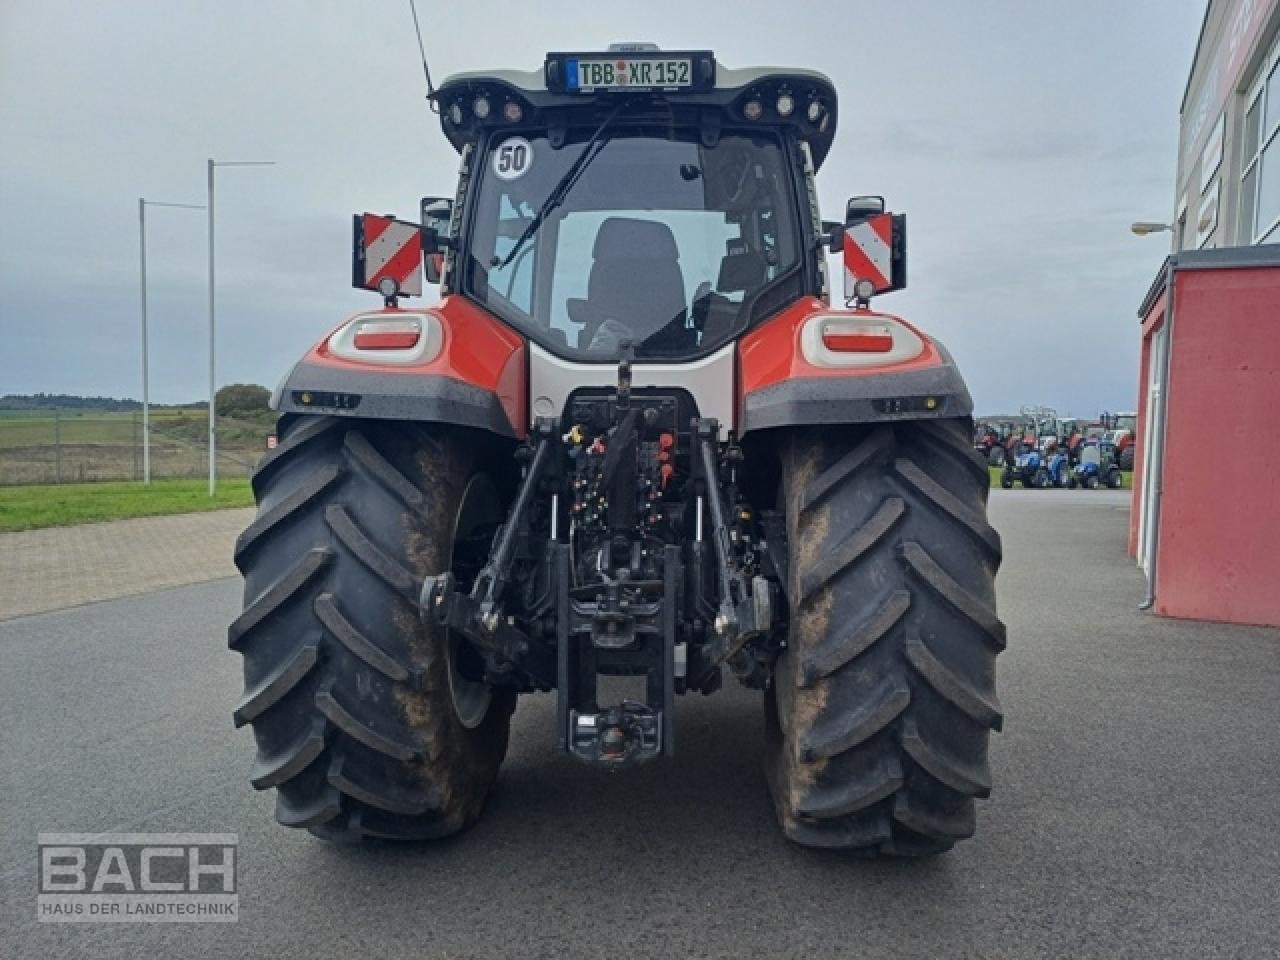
x=213, y=388
x=142, y=277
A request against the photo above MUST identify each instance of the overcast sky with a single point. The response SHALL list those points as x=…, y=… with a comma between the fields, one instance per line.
x=1021, y=138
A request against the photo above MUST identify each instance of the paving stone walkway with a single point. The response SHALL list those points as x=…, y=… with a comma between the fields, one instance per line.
x=42, y=570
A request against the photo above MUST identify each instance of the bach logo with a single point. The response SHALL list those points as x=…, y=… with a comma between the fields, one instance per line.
x=138, y=877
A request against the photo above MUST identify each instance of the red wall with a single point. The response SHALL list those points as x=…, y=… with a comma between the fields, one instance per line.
x=1219, y=538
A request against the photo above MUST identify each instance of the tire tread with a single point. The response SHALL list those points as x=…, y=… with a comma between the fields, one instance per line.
x=884, y=698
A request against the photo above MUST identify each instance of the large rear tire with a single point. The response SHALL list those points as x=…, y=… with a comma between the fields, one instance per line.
x=348, y=692
x=883, y=702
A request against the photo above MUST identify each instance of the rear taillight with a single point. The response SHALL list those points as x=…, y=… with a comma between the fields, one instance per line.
x=866, y=338
x=387, y=335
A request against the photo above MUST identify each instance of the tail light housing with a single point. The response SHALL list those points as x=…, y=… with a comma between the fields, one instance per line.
x=389, y=337
x=854, y=340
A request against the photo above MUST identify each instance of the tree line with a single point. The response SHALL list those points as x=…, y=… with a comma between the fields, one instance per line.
x=233, y=400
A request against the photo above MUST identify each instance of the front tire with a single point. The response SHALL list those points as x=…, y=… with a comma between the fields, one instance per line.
x=348, y=692
x=882, y=704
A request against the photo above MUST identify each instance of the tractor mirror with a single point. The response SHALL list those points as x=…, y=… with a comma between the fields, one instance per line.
x=386, y=256
x=437, y=218
x=875, y=252
x=862, y=208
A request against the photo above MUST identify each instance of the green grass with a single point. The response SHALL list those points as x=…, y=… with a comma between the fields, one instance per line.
x=107, y=446
x=23, y=429
x=1126, y=478
x=56, y=505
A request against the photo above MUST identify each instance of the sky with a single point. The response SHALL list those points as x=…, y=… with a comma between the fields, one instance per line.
x=1021, y=139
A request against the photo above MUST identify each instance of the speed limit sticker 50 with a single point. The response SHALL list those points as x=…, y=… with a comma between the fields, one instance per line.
x=513, y=158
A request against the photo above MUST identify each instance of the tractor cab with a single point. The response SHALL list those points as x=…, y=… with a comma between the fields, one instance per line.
x=635, y=196
x=644, y=197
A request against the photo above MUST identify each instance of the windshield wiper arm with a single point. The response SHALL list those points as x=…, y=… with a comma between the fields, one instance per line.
x=561, y=189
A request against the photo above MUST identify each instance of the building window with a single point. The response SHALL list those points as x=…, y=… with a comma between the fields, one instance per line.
x=1260, y=154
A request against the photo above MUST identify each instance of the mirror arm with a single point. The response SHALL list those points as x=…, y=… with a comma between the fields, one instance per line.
x=434, y=242
x=831, y=237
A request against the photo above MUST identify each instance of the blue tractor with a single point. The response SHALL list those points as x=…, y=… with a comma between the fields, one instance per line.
x=1097, y=466
x=1040, y=468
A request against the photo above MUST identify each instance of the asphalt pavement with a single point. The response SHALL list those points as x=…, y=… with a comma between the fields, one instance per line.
x=1134, y=811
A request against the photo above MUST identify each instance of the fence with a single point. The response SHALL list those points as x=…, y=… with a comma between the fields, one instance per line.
x=73, y=446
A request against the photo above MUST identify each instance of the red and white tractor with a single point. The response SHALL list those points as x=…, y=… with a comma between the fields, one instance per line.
x=633, y=446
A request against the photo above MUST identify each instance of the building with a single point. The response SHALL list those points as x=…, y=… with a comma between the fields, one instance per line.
x=1206, y=523
x=1228, y=184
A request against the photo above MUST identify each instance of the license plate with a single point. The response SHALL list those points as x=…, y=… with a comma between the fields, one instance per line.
x=628, y=74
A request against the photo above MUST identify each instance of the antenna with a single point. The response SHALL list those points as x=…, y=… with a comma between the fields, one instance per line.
x=426, y=71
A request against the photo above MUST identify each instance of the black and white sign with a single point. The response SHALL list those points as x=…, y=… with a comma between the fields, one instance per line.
x=513, y=158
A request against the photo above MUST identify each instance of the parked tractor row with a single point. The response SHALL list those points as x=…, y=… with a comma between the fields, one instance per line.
x=1095, y=466
x=1039, y=449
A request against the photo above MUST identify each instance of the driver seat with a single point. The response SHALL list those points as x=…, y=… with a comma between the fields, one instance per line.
x=635, y=281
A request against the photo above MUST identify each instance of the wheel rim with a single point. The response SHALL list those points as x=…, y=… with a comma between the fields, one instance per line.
x=471, y=698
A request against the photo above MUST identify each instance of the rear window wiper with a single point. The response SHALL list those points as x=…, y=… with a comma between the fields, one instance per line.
x=562, y=188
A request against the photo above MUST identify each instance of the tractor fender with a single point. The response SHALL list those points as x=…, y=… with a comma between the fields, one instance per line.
x=781, y=387
x=468, y=369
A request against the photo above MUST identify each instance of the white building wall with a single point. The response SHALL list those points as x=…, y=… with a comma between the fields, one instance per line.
x=1237, y=42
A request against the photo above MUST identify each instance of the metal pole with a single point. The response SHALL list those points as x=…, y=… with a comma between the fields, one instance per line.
x=57, y=445
x=146, y=366
x=213, y=449
x=213, y=469
x=146, y=390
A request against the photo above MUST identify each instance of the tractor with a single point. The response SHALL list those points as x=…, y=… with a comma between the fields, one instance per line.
x=633, y=449
x=1122, y=434
x=1096, y=466
x=1038, y=468
x=997, y=440
x=988, y=442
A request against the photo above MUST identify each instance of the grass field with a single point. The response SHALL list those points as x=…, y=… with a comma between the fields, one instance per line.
x=21, y=428
x=88, y=445
x=55, y=505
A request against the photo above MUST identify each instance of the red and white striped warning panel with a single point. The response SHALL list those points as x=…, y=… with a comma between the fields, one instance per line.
x=868, y=253
x=386, y=247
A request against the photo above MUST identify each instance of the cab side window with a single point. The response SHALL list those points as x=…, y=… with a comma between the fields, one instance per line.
x=513, y=281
